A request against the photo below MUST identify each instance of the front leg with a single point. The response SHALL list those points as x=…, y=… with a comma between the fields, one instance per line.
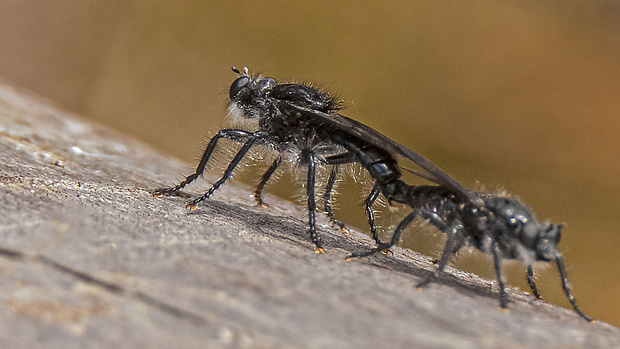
x=567, y=289
x=497, y=261
x=232, y=134
x=229, y=170
x=530, y=281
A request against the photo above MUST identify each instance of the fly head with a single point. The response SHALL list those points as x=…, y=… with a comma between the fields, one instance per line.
x=249, y=98
x=514, y=223
x=547, y=244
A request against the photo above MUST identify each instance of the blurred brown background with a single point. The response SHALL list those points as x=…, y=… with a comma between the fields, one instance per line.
x=518, y=95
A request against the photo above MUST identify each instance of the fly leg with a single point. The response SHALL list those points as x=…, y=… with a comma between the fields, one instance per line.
x=452, y=245
x=258, y=194
x=368, y=202
x=567, y=289
x=311, y=161
x=228, y=173
x=232, y=134
x=331, y=181
x=530, y=281
x=497, y=260
x=395, y=238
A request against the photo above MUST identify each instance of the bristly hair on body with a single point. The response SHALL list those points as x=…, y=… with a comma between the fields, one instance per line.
x=303, y=126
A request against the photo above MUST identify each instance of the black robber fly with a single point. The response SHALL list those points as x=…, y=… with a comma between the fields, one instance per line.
x=302, y=124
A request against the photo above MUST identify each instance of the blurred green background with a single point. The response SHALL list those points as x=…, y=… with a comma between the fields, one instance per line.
x=517, y=95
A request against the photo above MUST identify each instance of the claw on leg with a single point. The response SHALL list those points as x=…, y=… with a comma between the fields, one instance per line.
x=260, y=202
x=319, y=250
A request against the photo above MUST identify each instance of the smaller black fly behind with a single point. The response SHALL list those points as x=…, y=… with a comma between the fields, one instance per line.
x=497, y=225
x=302, y=124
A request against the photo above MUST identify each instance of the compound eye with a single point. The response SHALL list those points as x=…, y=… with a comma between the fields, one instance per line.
x=237, y=85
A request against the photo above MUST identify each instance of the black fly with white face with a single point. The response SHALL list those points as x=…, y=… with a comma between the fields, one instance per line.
x=302, y=123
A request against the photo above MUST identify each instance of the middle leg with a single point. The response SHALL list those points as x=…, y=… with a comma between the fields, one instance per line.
x=316, y=239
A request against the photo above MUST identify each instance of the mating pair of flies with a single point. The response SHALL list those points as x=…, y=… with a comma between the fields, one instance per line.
x=302, y=124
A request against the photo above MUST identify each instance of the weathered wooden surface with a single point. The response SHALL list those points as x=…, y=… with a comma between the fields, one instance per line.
x=89, y=259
